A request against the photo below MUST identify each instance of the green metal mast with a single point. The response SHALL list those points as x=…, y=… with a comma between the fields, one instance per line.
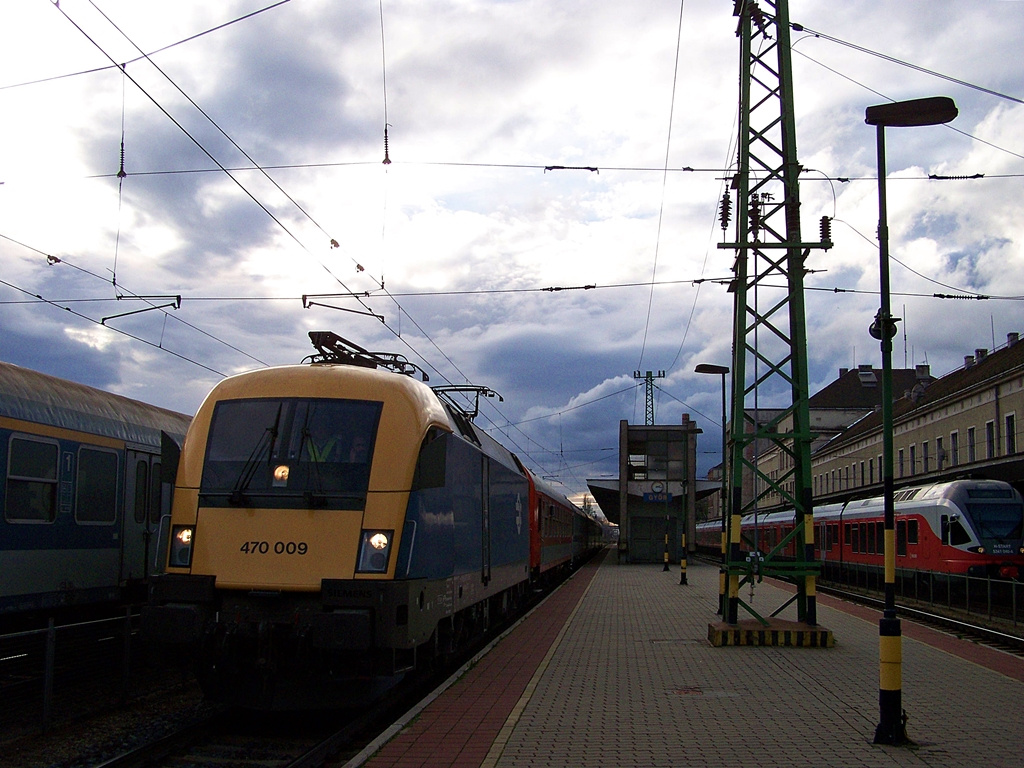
x=769, y=370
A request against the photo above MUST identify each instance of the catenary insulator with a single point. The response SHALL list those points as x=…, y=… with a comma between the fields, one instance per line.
x=826, y=230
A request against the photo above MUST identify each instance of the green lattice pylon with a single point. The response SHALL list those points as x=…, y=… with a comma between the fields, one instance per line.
x=769, y=370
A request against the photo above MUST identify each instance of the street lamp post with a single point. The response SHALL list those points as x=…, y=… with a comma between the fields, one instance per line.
x=720, y=370
x=931, y=111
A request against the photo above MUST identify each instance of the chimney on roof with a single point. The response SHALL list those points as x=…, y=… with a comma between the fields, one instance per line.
x=1012, y=338
x=924, y=372
x=843, y=372
x=980, y=354
x=866, y=375
x=968, y=361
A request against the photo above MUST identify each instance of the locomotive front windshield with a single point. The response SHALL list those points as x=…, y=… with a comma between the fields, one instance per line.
x=290, y=453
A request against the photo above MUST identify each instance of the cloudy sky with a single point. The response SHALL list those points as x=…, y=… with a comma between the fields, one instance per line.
x=455, y=242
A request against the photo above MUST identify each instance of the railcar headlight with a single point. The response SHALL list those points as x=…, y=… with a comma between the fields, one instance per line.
x=181, y=545
x=281, y=473
x=374, y=551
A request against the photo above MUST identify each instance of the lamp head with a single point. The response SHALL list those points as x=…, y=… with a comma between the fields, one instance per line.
x=933, y=110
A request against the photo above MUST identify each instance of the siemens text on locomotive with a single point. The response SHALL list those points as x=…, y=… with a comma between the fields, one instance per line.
x=972, y=527
x=335, y=523
x=81, y=491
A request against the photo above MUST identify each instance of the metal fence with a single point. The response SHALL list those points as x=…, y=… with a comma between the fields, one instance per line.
x=66, y=671
x=994, y=599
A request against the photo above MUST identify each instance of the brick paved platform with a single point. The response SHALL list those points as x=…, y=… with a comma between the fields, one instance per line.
x=615, y=669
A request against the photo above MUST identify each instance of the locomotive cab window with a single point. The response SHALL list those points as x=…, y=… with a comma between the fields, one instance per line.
x=290, y=453
x=31, y=481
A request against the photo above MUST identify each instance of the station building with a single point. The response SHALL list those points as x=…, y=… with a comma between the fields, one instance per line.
x=964, y=424
x=656, y=491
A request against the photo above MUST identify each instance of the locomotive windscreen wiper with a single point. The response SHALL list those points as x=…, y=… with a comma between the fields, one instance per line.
x=266, y=445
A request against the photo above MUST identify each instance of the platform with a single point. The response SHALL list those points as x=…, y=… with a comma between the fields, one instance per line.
x=616, y=669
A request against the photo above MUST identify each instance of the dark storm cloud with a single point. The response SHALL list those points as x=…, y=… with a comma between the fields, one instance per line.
x=33, y=337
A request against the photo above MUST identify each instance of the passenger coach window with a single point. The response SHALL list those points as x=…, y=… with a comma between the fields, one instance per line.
x=96, y=500
x=31, y=481
x=141, y=491
x=155, y=495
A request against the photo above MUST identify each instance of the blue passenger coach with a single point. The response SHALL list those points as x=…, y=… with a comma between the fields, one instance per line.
x=80, y=490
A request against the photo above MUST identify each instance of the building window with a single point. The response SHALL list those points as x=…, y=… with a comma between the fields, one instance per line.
x=954, y=449
x=972, y=452
x=940, y=454
x=1011, y=434
x=862, y=475
x=913, y=458
x=900, y=461
x=990, y=440
x=924, y=457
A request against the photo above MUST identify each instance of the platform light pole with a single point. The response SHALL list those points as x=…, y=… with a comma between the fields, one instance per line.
x=930, y=111
x=720, y=370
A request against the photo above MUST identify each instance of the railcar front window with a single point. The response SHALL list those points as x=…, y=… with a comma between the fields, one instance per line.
x=1001, y=522
x=290, y=453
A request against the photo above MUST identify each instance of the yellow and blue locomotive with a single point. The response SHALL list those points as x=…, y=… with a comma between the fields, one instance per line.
x=331, y=523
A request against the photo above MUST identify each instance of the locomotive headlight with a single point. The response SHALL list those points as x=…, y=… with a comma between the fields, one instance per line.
x=181, y=546
x=374, y=551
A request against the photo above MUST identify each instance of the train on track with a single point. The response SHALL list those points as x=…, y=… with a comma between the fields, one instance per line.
x=340, y=523
x=972, y=527
x=81, y=492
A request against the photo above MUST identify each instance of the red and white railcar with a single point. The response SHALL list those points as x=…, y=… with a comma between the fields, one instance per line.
x=973, y=527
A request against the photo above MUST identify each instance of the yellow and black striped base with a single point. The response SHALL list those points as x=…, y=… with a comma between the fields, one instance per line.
x=791, y=634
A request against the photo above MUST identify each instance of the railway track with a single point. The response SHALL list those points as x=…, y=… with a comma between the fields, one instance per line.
x=1009, y=638
x=231, y=738
x=240, y=738
x=1005, y=640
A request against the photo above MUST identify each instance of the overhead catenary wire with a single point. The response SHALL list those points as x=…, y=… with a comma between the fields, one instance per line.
x=53, y=260
x=651, y=283
x=203, y=149
x=664, y=182
x=903, y=63
x=132, y=336
x=168, y=47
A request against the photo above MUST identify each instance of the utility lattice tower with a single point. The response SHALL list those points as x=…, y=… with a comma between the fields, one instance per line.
x=649, y=378
x=769, y=370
